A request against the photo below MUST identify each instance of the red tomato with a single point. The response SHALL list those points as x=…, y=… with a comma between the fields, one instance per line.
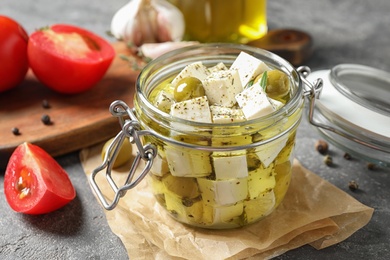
x=34, y=183
x=13, y=53
x=69, y=59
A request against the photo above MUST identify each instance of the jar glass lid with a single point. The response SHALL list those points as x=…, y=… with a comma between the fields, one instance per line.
x=356, y=99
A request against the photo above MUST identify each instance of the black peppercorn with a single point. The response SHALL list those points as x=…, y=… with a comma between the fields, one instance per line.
x=353, y=185
x=15, y=131
x=347, y=156
x=370, y=166
x=321, y=146
x=46, y=119
x=328, y=160
x=45, y=103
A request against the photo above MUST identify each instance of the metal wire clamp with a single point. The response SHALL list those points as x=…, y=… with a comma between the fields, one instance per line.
x=132, y=130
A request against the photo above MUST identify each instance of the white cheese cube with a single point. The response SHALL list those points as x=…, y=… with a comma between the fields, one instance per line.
x=260, y=207
x=184, y=162
x=218, y=67
x=224, y=115
x=248, y=67
x=164, y=101
x=276, y=103
x=223, y=192
x=260, y=180
x=230, y=167
x=196, y=69
x=254, y=102
x=221, y=87
x=220, y=215
x=196, y=109
x=160, y=166
x=184, y=213
x=268, y=152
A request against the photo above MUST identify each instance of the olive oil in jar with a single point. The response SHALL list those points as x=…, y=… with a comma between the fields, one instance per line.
x=237, y=21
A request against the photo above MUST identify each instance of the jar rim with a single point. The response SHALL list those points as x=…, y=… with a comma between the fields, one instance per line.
x=229, y=50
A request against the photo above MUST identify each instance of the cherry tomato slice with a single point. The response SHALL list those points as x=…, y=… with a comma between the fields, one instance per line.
x=13, y=53
x=69, y=59
x=34, y=183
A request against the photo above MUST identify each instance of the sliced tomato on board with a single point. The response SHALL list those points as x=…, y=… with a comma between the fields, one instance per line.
x=67, y=58
x=34, y=183
x=13, y=53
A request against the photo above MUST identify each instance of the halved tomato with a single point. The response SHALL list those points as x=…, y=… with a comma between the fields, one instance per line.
x=34, y=183
x=13, y=53
x=67, y=58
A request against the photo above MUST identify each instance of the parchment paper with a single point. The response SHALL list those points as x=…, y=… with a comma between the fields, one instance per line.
x=313, y=212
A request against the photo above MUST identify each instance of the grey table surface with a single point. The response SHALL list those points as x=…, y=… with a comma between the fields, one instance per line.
x=348, y=31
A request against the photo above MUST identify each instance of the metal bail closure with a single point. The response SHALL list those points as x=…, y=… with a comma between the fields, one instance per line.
x=131, y=129
x=313, y=92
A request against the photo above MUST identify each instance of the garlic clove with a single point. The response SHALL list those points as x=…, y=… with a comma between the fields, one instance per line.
x=154, y=50
x=148, y=21
x=118, y=22
x=170, y=17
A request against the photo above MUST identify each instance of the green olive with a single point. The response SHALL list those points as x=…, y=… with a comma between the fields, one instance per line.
x=188, y=88
x=278, y=84
x=124, y=155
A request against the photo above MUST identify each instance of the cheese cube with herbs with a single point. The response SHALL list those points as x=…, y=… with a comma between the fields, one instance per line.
x=221, y=87
x=230, y=167
x=220, y=215
x=248, y=67
x=196, y=70
x=254, y=102
x=164, y=101
x=220, y=66
x=223, y=192
x=225, y=115
x=196, y=109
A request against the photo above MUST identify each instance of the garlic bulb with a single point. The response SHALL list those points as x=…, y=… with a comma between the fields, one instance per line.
x=148, y=21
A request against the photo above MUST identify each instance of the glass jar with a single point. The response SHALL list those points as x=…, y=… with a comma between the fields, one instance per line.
x=362, y=130
x=237, y=21
x=211, y=175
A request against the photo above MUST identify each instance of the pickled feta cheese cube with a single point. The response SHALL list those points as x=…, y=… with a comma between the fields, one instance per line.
x=221, y=87
x=218, y=215
x=187, y=211
x=196, y=109
x=188, y=162
x=230, y=166
x=248, y=67
x=218, y=67
x=231, y=141
x=254, y=102
x=268, y=152
x=196, y=69
x=260, y=207
x=224, y=115
x=159, y=166
x=276, y=103
x=181, y=186
x=223, y=192
x=261, y=180
x=156, y=184
x=164, y=101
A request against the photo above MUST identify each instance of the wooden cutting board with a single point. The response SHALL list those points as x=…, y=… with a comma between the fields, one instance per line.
x=78, y=121
x=82, y=120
